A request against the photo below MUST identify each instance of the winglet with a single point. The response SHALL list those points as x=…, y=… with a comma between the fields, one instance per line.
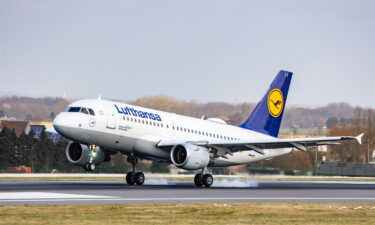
x=100, y=97
x=359, y=138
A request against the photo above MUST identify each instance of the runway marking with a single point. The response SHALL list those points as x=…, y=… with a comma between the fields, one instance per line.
x=6, y=196
x=104, y=198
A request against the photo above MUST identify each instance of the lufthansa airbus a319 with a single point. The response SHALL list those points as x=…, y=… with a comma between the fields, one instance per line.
x=99, y=128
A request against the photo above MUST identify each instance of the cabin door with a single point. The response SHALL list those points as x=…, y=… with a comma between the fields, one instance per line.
x=111, y=116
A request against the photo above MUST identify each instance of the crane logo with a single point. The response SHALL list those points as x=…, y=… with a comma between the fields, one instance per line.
x=275, y=102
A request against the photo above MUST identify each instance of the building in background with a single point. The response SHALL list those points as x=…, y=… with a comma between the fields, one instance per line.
x=25, y=127
x=37, y=128
x=19, y=126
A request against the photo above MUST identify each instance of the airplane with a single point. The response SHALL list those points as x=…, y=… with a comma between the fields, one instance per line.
x=99, y=128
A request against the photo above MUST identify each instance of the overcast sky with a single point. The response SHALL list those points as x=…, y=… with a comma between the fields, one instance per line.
x=193, y=50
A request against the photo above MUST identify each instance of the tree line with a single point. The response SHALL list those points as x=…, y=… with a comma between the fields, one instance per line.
x=295, y=117
x=42, y=155
x=362, y=121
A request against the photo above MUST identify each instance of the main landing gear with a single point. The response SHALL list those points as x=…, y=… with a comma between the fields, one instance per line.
x=201, y=179
x=134, y=177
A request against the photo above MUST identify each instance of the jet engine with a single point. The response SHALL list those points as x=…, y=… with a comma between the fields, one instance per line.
x=190, y=157
x=80, y=154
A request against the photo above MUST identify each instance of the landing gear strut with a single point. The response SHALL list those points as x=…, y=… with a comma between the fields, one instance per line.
x=201, y=179
x=134, y=177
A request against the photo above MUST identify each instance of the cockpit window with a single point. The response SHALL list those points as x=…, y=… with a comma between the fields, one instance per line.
x=74, y=109
x=84, y=110
x=91, y=112
x=87, y=111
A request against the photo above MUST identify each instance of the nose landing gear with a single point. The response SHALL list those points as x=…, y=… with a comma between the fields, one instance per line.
x=134, y=177
x=93, y=151
x=89, y=166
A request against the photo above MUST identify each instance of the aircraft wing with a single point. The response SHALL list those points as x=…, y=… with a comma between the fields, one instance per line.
x=261, y=144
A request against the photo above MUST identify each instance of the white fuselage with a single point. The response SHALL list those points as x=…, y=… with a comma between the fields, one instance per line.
x=137, y=130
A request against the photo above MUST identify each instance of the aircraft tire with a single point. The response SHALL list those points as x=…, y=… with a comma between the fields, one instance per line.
x=86, y=167
x=198, y=181
x=130, y=178
x=208, y=180
x=139, y=178
x=91, y=166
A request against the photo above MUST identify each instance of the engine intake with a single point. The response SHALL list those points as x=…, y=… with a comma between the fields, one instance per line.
x=189, y=157
x=79, y=154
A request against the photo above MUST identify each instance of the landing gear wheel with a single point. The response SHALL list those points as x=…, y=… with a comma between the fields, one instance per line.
x=139, y=178
x=86, y=167
x=92, y=166
x=89, y=166
x=198, y=181
x=130, y=178
x=208, y=180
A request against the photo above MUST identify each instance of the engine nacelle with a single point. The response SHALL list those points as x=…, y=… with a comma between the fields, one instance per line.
x=80, y=154
x=189, y=157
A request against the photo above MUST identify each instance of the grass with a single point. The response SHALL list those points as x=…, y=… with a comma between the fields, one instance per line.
x=206, y=213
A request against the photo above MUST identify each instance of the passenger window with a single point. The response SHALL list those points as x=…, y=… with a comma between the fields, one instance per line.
x=92, y=112
x=84, y=110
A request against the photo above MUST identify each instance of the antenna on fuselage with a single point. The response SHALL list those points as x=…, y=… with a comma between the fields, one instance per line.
x=100, y=97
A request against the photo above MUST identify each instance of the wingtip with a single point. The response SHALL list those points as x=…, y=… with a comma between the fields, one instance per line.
x=359, y=138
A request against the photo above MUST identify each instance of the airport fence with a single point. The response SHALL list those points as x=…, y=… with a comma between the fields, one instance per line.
x=354, y=169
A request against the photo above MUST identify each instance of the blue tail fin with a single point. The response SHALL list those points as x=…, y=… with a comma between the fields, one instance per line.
x=267, y=115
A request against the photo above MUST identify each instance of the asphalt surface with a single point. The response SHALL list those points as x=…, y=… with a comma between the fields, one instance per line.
x=161, y=191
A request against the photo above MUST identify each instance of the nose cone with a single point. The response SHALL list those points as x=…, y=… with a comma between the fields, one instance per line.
x=60, y=123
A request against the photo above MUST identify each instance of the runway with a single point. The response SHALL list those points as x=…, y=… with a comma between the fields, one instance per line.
x=162, y=191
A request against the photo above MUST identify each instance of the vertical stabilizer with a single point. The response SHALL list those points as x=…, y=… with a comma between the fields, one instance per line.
x=267, y=115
